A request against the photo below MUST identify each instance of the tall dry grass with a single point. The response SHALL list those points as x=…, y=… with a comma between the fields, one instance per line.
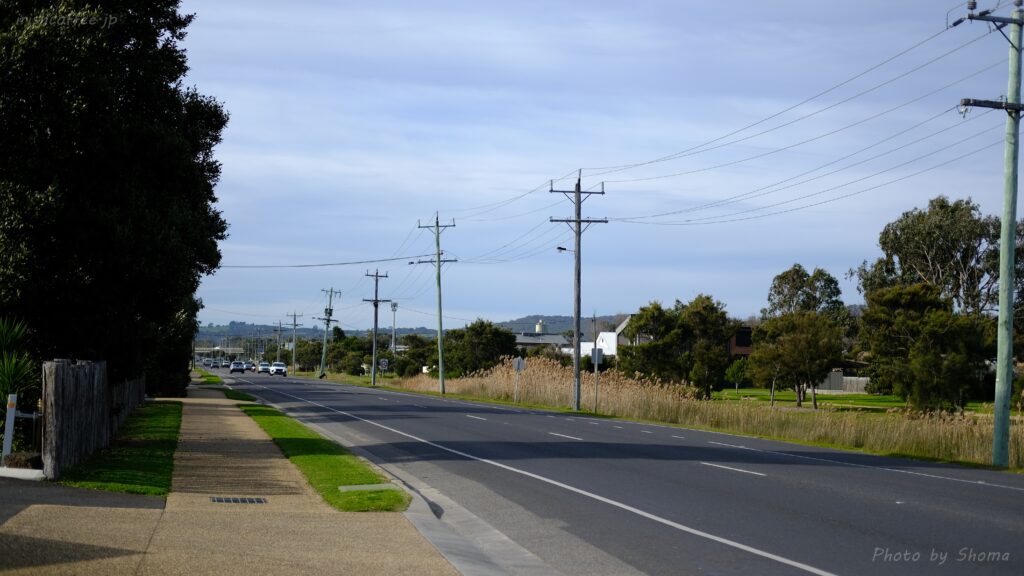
x=960, y=438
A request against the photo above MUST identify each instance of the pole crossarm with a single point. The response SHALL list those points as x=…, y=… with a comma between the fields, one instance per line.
x=1012, y=107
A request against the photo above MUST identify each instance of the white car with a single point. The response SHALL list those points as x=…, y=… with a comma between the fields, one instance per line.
x=263, y=367
x=278, y=368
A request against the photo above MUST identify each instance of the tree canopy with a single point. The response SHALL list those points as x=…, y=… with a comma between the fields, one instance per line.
x=107, y=175
x=685, y=343
x=950, y=245
x=795, y=290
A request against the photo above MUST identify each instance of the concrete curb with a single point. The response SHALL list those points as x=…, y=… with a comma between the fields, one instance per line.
x=22, y=473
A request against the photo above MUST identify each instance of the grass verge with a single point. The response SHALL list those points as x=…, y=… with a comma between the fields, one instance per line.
x=141, y=458
x=327, y=465
x=231, y=394
x=209, y=378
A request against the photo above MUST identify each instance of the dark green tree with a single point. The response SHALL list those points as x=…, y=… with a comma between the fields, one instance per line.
x=478, y=346
x=706, y=329
x=107, y=174
x=922, y=350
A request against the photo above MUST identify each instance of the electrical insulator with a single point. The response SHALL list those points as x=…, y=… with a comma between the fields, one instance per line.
x=972, y=5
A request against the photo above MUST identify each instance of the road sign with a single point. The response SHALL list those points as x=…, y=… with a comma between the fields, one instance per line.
x=383, y=363
x=519, y=364
x=597, y=356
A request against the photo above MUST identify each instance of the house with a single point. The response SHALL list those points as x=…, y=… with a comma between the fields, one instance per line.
x=742, y=342
x=539, y=339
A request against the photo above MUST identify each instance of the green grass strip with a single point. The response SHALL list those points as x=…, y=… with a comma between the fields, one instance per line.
x=327, y=465
x=141, y=458
x=209, y=378
x=231, y=394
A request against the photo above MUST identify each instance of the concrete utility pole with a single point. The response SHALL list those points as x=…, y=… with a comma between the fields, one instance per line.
x=327, y=328
x=438, y=228
x=277, y=331
x=376, y=304
x=1008, y=234
x=577, y=224
x=295, y=316
x=394, y=311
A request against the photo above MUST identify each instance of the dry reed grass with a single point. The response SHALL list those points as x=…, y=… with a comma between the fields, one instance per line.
x=942, y=436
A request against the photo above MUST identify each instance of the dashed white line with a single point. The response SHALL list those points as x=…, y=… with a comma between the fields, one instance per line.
x=619, y=427
x=733, y=469
x=475, y=417
x=646, y=432
x=680, y=437
x=564, y=436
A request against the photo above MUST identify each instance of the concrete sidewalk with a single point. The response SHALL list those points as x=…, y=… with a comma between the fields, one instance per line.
x=51, y=529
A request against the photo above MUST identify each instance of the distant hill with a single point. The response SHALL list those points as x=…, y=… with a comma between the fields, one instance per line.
x=214, y=334
x=562, y=324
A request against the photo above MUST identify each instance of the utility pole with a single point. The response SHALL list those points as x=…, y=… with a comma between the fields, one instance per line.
x=577, y=224
x=278, y=333
x=376, y=304
x=295, y=316
x=394, y=311
x=438, y=228
x=327, y=328
x=1008, y=234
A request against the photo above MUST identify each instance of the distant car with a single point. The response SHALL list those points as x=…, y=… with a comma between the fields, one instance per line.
x=207, y=363
x=225, y=363
x=264, y=368
x=278, y=368
x=248, y=366
x=237, y=367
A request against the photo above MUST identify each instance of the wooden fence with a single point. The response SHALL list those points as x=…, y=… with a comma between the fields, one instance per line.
x=82, y=411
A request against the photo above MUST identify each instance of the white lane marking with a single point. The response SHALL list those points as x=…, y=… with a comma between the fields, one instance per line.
x=564, y=436
x=550, y=416
x=855, y=465
x=594, y=423
x=475, y=417
x=382, y=398
x=581, y=492
x=619, y=427
x=646, y=432
x=419, y=405
x=680, y=437
x=733, y=469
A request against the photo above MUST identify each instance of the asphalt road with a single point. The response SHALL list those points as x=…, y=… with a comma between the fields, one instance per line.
x=594, y=496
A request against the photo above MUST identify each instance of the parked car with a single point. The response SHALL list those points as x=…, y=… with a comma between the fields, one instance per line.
x=264, y=368
x=237, y=367
x=278, y=368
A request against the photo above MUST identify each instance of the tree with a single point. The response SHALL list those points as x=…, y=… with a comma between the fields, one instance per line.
x=658, y=343
x=478, y=346
x=737, y=372
x=107, y=174
x=707, y=329
x=685, y=343
x=798, y=348
x=797, y=291
x=921, y=349
x=949, y=245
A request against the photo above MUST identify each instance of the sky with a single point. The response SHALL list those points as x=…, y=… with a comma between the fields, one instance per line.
x=731, y=140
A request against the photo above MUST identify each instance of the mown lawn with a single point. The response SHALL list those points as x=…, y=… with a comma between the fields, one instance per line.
x=141, y=458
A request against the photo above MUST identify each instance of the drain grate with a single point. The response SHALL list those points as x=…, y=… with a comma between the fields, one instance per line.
x=236, y=500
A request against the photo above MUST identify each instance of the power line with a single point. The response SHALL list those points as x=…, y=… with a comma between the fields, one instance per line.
x=828, y=201
x=705, y=147
x=874, y=116
x=778, y=186
x=352, y=263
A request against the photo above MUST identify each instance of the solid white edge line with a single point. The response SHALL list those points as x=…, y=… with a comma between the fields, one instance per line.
x=733, y=469
x=475, y=417
x=581, y=492
x=564, y=436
